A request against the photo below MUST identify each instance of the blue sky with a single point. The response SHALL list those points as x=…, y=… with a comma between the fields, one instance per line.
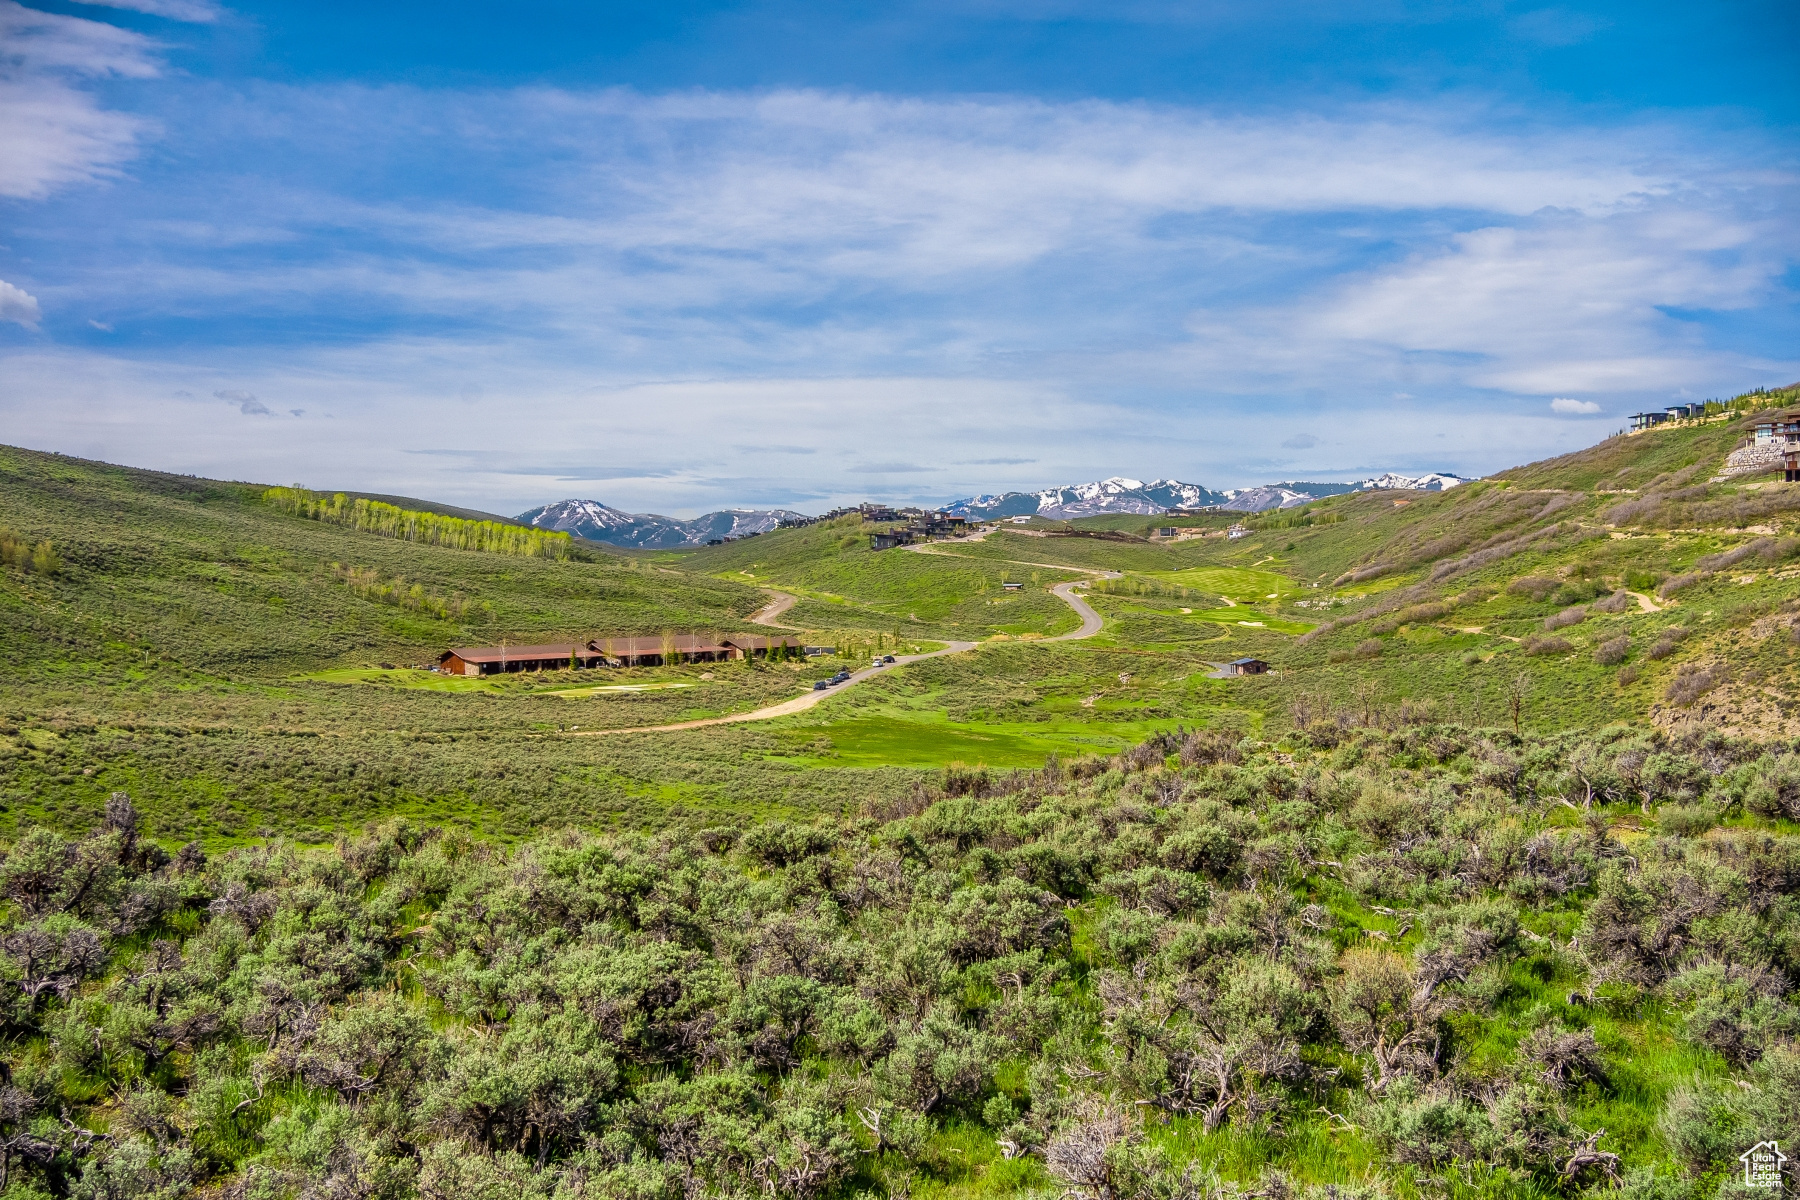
x=677, y=257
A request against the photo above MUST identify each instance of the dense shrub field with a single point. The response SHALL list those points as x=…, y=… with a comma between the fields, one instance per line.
x=1420, y=961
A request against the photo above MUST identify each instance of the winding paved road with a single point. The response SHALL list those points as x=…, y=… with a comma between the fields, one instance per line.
x=1091, y=622
x=786, y=708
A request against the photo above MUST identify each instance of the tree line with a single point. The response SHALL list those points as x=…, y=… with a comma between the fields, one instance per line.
x=388, y=520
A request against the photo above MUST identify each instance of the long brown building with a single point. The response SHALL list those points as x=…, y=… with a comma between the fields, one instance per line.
x=613, y=652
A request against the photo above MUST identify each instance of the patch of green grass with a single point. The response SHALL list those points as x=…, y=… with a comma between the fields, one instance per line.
x=404, y=677
x=608, y=688
x=1236, y=583
x=1255, y=619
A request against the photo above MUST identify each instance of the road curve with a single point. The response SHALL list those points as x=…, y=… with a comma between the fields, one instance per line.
x=1091, y=622
x=786, y=708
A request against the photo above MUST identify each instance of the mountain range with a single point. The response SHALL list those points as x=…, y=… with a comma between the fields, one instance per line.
x=599, y=522
x=1121, y=495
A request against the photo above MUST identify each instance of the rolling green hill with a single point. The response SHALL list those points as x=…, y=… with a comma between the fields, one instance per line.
x=847, y=584
x=193, y=633
x=1488, y=890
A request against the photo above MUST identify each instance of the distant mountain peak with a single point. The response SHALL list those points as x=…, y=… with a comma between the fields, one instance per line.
x=1121, y=494
x=599, y=522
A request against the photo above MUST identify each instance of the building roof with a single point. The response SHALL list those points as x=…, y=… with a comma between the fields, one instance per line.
x=486, y=654
x=685, y=643
x=1239, y=662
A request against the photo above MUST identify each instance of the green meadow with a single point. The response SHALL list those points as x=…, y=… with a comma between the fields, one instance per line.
x=1486, y=890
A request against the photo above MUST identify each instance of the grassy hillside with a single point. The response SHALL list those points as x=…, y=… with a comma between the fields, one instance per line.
x=902, y=591
x=206, y=574
x=206, y=651
x=1491, y=889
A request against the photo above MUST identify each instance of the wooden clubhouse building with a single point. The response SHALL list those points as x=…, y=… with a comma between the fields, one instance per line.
x=615, y=652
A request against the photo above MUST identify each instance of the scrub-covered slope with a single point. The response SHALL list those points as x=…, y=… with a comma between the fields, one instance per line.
x=1408, y=963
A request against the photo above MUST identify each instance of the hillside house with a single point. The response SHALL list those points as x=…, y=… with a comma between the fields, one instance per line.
x=890, y=539
x=1780, y=428
x=1237, y=531
x=1247, y=666
x=1168, y=531
x=1645, y=420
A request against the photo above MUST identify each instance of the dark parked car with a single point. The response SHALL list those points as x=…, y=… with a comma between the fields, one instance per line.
x=821, y=684
x=887, y=658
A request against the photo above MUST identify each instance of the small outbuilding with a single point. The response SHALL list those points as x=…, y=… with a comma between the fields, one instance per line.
x=1247, y=666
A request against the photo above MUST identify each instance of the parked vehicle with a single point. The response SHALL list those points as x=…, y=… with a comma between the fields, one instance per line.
x=887, y=658
x=820, y=685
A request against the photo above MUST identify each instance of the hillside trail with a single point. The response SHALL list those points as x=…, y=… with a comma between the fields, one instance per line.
x=933, y=548
x=1091, y=622
x=779, y=603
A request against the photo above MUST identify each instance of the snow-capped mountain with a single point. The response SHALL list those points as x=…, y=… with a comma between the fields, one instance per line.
x=1115, y=495
x=599, y=522
x=1122, y=495
x=1261, y=499
x=1437, y=481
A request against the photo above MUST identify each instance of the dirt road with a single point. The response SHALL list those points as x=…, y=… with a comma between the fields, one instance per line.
x=767, y=614
x=1091, y=622
x=786, y=708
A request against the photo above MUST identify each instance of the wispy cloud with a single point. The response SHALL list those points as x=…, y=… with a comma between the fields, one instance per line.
x=246, y=403
x=792, y=285
x=891, y=468
x=193, y=11
x=53, y=131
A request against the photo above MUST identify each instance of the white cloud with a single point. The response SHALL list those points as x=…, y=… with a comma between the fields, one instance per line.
x=1075, y=290
x=52, y=132
x=1563, y=404
x=18, y=305
x=196, y=11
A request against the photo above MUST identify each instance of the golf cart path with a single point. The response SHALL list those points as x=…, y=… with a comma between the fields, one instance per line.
x=1091, y=622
